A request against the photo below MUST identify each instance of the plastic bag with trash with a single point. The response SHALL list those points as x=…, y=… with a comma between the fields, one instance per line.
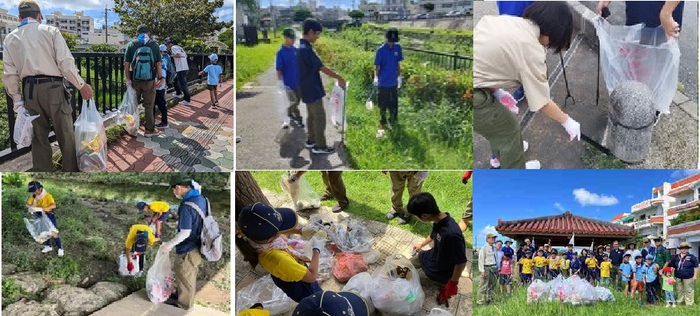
x=557, y=289
x=604, y=295
x=362, y=284
x=371, y=256
x=303, y=195
x=400, y=292
x=90, y=139
x=129, y=115
x=265, y=292
x=160, y=281
x=123, y=271
x=41, y=228
x=282, y=98
x=337, y=106
x=352, y=236
x=346, y=265
x=536, y=291
x=640, y=54
x=439, y=312
x=24, y=131
x=325, y=261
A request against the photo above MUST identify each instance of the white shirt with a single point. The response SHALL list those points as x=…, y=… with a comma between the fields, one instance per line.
x=487, y=257
x=180, y=62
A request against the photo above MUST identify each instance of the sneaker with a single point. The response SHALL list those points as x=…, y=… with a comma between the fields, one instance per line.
x=60, y=252
x=323, y=151
x=310, y=144
x=391, y=215
x=337, y=208
x=285, y=125
x=162, y=125
x=380, y=133
x=526, y=146
x=326, y=197
x=238, y=139
x=494, y=162
x=183, y=102
x=519, y=94
x=674, y=305
x=216, y=104
x=47, y=249
x=153, y=132
x=656, y=119
x=668, y=305
x=533, y=164
x=299, y=121
x=404, y=219
x=178, y=95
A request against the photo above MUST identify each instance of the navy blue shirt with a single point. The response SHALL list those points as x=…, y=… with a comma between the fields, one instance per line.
x=309, y=76
x=387, y=59
x=449, y=250
x=190, y=219
x=685, y=265
x=647, y=12
x=515, y=8
x=288, y=64
x=616, y=256
x=569, y=254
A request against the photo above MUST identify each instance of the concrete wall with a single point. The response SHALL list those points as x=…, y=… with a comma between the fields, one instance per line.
x=460, y=23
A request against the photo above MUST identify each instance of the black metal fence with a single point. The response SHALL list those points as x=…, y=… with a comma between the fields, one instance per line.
x=434, y=59
x=105, y=73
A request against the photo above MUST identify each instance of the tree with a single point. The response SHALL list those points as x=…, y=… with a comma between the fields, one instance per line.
x=429, y=7
x=175, y=18
x=103, y=48
x=356, y=14
x=247, y=191
x=71, y=39
x=301, y=14
x=226, y=37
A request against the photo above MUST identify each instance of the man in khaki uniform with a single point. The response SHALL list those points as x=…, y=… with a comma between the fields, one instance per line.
x=37, y=55
x=399, y=181
x=489, y=271
x=509, y=52
x=145, y=88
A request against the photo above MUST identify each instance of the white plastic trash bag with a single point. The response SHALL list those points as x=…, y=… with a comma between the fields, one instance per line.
x=265, y=292
x=362, y=284
x=160, y=281
x=372, y=256
x=90, y=139
x=400, y=292
x=439, y=312
x=24, y=131
x=303, y=195
x=604, y=295
x=352, y=236
x=536, y=291
x=325, y=260
x=123, y=271
x=129, y=112
x=639, y=54
x=282, y=98
x=41, y=228
x=337, y=106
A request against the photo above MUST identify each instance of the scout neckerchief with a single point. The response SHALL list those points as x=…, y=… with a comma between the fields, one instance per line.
x=27, y=21
x=278, y=243
x=39, y=197
x=682, y=261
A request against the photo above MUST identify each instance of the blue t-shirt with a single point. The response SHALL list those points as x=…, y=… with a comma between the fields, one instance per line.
x=647, y=12
x=287, y=62
x=569, y=255
x=387, y=59
x=515, y=8
x=575, y=264
x=213, y=72
x=163, y=73
x=650, y=272
x=165, y=62
x=639, y=273
x=190, y=219
x=625, y=269
x=447, y=252
x=309, y=77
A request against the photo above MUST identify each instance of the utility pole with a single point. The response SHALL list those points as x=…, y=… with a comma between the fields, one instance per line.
x=106, y=27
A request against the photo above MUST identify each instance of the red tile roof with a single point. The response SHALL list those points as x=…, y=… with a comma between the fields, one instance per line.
x=675, y=230
x=565, y=223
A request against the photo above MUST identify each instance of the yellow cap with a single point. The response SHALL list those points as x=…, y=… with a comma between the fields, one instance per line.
x=254, y=312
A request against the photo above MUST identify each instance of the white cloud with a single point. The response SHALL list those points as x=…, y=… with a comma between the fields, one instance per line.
x=560, y=207
x=481, y=236
x=679, y=174
x=584, y=197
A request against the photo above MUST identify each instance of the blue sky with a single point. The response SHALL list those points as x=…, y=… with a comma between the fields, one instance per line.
x=95, y=9
x=599, y=194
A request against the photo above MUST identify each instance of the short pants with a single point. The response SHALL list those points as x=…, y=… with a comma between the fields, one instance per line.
x=505, y=279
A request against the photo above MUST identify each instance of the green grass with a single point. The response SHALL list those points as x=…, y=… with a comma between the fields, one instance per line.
x=4, y=124
x=253, y=61
x=595, y=159
x=369, y=193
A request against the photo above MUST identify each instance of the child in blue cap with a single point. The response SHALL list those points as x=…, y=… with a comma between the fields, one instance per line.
x=42, y=201
x=214, y=78
x=329, y=303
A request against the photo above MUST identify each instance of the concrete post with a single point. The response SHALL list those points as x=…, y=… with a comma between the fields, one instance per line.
x=630, y=121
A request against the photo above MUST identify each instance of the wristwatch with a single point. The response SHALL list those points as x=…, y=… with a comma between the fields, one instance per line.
x=160, y=78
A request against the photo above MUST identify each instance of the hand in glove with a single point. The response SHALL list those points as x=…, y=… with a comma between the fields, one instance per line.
x=318, y=244
x=280, y=84
x=467, y=175
x=573, y=128
x=399, y=80
x=165, y=247
x=292, y=178
x=375, y=82
x=448, y=291
x=507, y=100
x=130, y=266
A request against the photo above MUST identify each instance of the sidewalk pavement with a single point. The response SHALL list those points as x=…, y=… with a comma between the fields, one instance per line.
x=137, y=304
x=265, y=145
x=389, y=240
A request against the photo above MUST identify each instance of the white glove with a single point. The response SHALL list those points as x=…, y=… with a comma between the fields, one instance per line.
x=165, y=247
x=573, y=128
x=280, y=84
x=292, y=178
x=507, y=100
x=375, y=82
x=18, y=105
x=309, y=230
x=317, y=243
x=399, y=80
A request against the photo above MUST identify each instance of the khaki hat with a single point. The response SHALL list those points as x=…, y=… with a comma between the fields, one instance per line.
x=490, y=236
x=684, y=245
x=28, y=6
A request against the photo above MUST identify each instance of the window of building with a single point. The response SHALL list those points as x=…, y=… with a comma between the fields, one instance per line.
x=684, y=201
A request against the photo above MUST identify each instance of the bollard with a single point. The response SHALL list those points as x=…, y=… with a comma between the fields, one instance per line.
x=630, y=121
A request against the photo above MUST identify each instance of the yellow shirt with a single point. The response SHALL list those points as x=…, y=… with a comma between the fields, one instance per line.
x=159, y=207
x=591, y=263
x=553, y=264
x=527, y=265
x=254, y=312
x=540, y=262
x=131, y=237
x=282, y=265
x=565, y=264
x=45, y=202
x=605, y=269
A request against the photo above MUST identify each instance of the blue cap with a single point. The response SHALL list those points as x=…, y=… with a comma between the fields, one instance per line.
x=213, y=57
x=260, y=222
x=141, y=205
x=333, y=304
x=650, y=257
x=33, y=186
x=163, y=48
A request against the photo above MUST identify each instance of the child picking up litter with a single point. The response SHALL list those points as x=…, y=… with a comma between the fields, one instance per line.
x=161, y=213
x=259, y=237
x=214, y=78
x=287, y=66
x=667, y=285
x=138, y=240
x=446, y=260
x=42, y=201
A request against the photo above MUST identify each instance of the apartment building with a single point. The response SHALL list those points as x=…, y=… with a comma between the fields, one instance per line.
x=8, y=23
x=79, y=24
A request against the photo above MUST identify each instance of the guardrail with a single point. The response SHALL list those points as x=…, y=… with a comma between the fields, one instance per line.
x=105, y=73
x=453, y=61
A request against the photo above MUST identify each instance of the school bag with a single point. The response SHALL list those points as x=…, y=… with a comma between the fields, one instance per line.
x=142, y=64
x=171, y=72
x=141, y=241
x=211, y=237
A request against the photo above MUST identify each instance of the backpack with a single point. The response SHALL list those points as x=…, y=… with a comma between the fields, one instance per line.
x=211, y=248
x=171, y=72
x=141, y=241
x=142, y=64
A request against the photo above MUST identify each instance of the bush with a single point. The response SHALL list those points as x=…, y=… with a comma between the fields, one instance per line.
x=686, y=217
x=103, y=48
x=13, y=179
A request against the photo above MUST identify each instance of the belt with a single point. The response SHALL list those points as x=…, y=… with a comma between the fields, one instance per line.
x=489, y=265
x=39, y=79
